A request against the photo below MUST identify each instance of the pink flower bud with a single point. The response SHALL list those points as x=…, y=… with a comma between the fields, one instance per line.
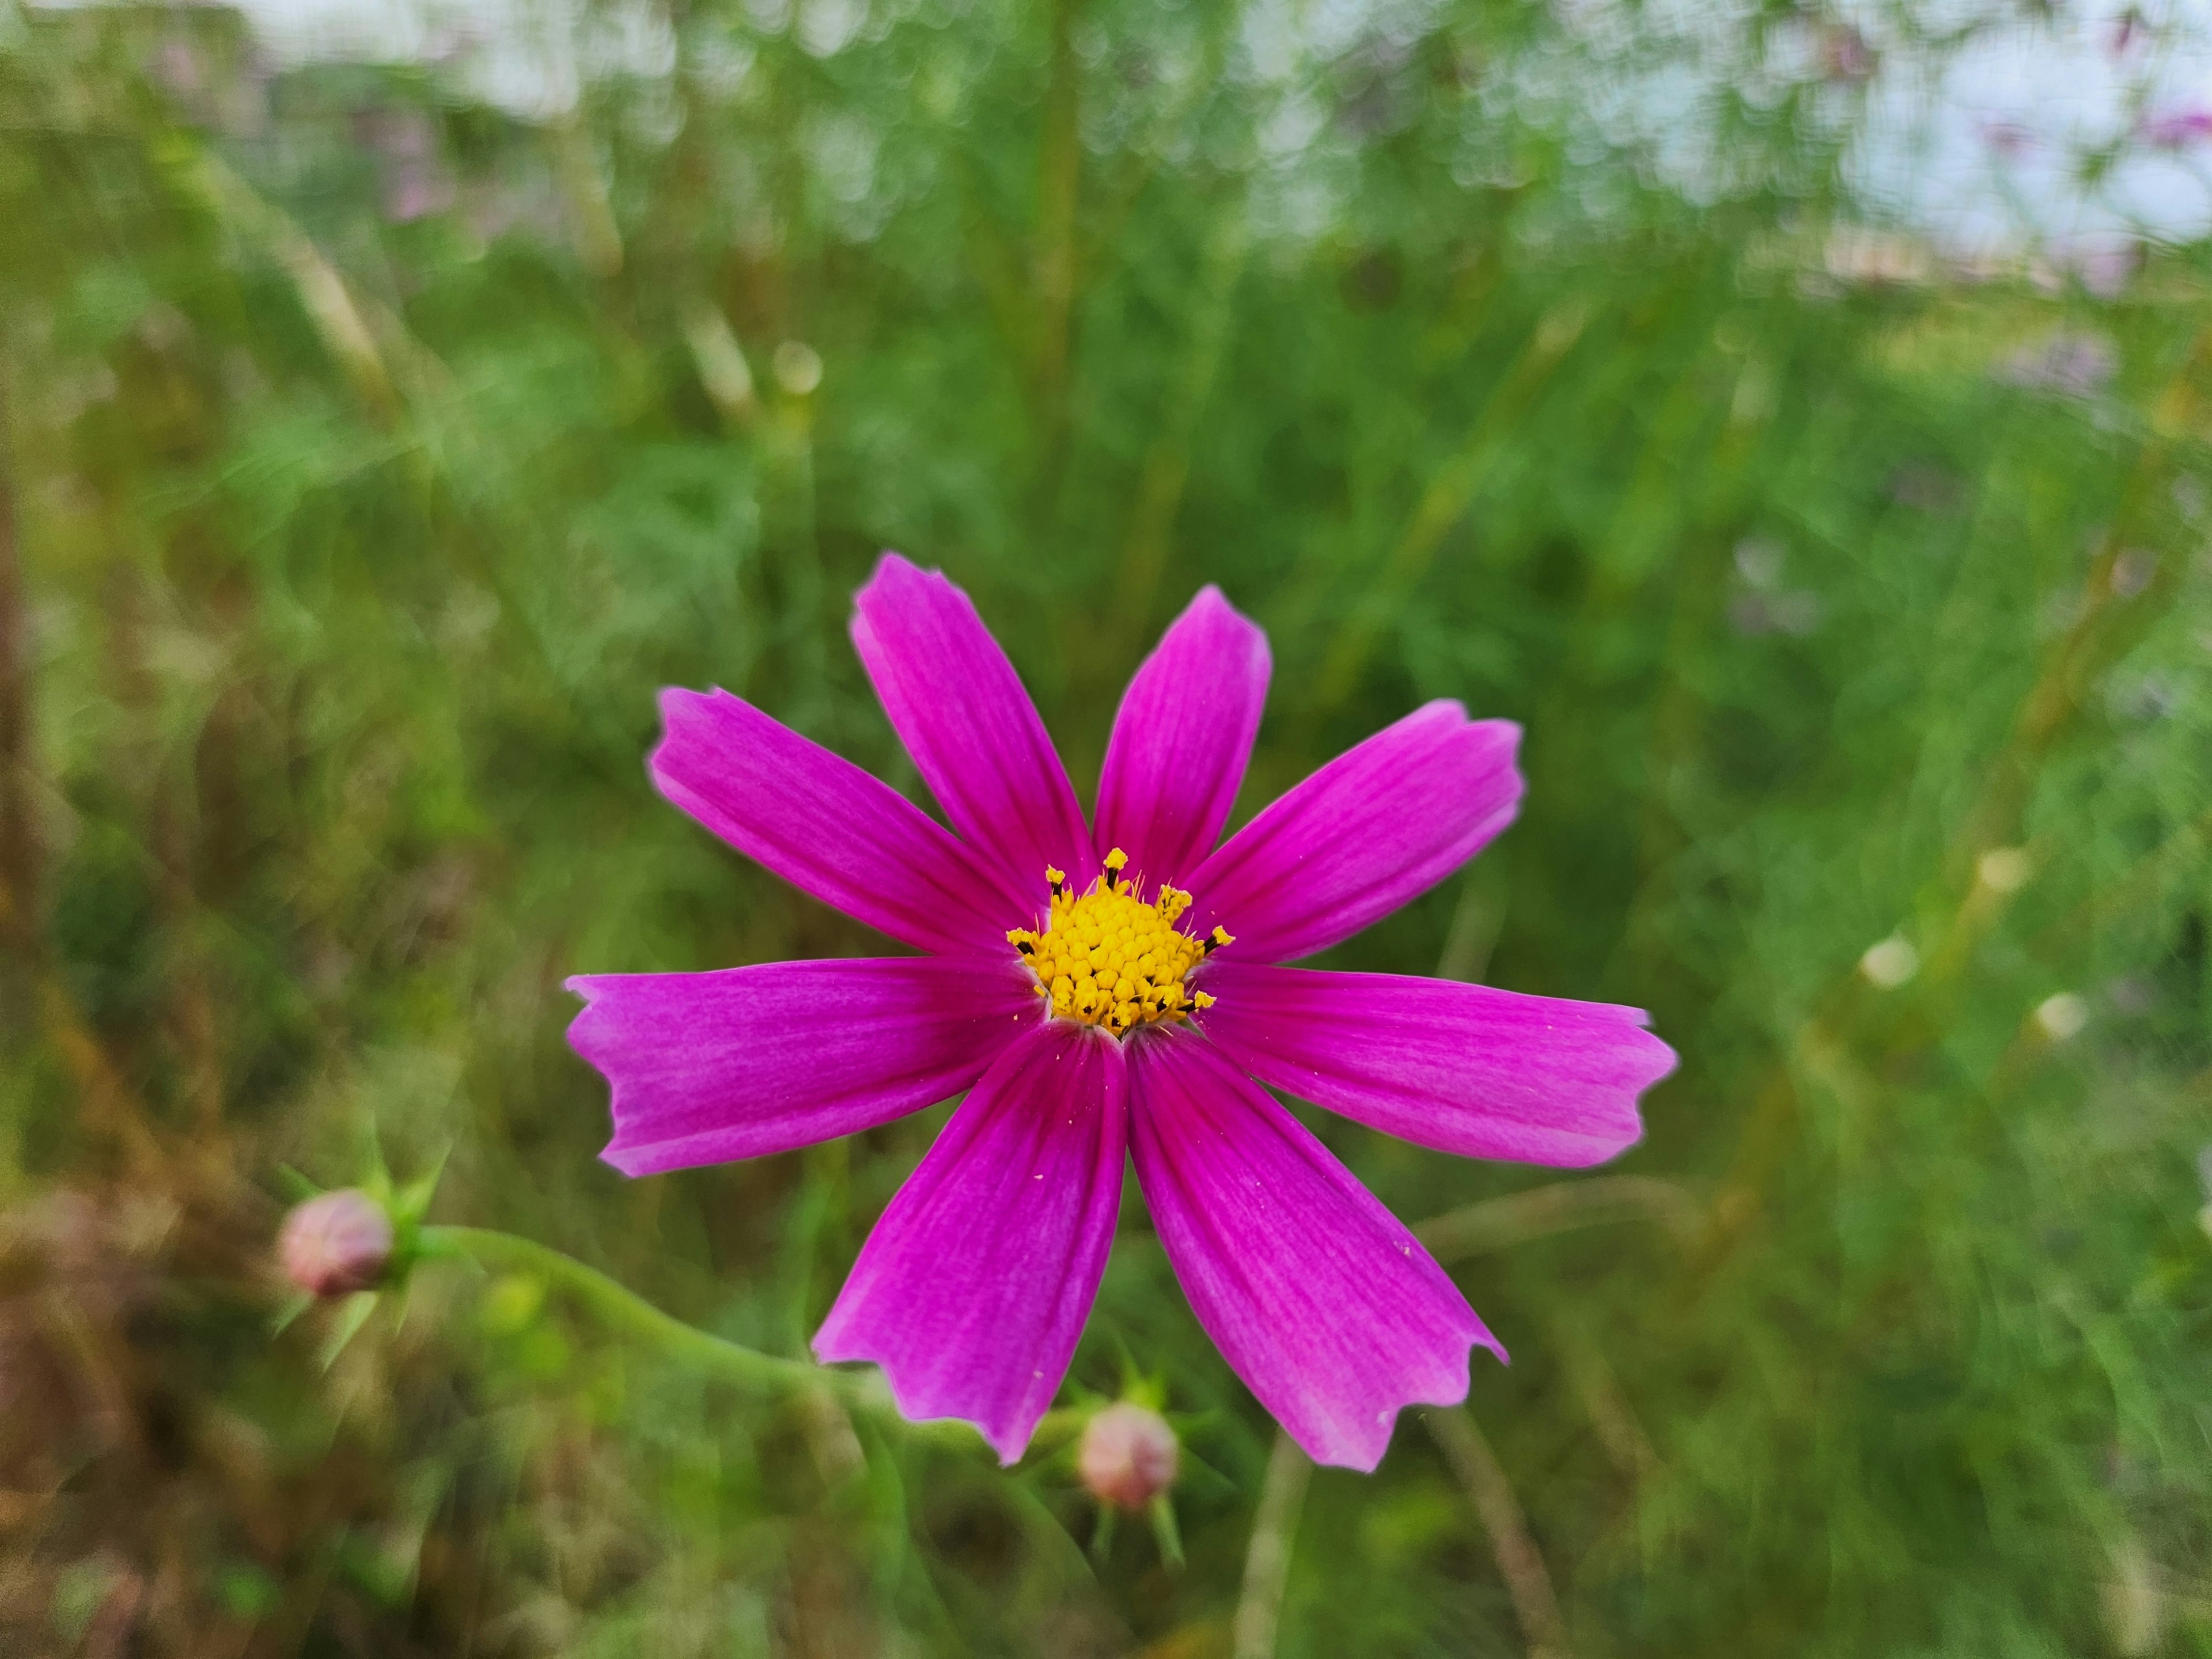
x=1128, y=1455
x=336, y=1244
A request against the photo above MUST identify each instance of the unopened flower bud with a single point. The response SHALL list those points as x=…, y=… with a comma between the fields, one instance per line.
x=335, y=1242
x=1128, y=1455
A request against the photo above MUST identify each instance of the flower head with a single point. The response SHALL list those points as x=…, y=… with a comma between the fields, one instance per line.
x=1106, y=988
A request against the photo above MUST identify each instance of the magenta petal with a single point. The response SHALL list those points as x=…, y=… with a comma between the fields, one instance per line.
x=827, y=827
x=1329, y=1308
x=1182, y=741
x=1378, y=826
x=708, y=1067
x=972, y=1289
x=972, y=730
x=1464, y=1068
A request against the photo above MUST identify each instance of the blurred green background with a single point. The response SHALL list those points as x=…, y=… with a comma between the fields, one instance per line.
x=378, y=438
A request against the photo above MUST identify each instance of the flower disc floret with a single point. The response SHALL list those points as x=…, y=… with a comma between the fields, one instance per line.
x=1107, y=957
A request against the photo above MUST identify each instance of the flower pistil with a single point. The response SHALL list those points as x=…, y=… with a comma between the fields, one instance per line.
x=1106, y=956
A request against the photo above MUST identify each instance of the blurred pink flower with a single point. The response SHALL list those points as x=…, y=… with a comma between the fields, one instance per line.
x=2177, y=129
x=415, y=191
x=177, y=67
x=1846, y=54
x=2103, y=265
x=2072, y=364
x=336, y=1244
x=407, y=144
x=1128, y=1455
x=1081, y=982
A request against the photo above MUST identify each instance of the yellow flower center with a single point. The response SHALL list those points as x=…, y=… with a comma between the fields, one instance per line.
x=1107, y=957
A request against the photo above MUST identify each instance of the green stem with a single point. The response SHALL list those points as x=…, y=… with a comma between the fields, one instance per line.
x=619, y=1306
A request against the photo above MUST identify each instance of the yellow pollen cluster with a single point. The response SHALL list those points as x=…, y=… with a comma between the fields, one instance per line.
x=1106, y=958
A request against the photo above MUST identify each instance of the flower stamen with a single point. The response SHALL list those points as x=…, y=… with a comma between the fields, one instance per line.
x=1106, y=957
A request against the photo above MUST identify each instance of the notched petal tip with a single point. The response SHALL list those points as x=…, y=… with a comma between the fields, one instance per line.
x=672, y=697
x=1370, y=1457
x=1008, y=1445
x=1364, y=1452
x=1657, y=1054
x=1646, y=1062
x=584, y=1026
x=1501, y=742
x=679, y=702
x=894, y=571
x=1214, y=606
x=684, y=717
x=892, y=562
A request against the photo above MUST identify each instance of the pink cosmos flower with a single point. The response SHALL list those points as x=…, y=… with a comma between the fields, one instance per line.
x=2178, y=128
x=1107, y=989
